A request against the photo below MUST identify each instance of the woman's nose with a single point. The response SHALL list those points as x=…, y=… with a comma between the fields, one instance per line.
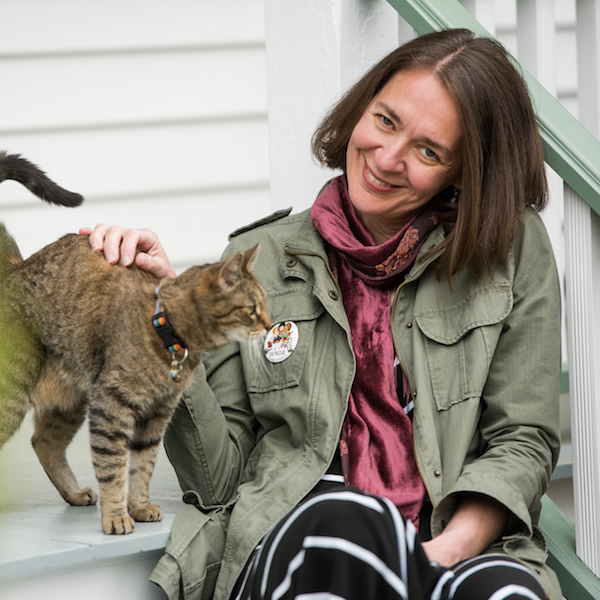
x=391, y=157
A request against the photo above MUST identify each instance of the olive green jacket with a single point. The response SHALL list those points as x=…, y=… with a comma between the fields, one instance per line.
x=250, y=438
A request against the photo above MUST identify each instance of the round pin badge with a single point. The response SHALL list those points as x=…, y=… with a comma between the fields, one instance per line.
x=281, y=341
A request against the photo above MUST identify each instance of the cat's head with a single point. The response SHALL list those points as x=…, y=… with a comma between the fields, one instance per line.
x=234, y=300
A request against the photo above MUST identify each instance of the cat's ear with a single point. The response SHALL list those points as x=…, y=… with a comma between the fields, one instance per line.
x=250, y=256
x=230, y=271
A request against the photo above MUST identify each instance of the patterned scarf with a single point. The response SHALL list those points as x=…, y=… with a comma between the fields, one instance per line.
x=376, y=446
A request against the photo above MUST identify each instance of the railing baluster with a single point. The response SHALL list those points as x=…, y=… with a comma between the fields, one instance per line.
x=582, y=238
x=536, y=40
x=582, y=233
x=483, y=11
x=588, y=64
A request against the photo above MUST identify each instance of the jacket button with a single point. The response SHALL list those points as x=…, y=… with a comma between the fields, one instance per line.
x=437, y=473
x=333, y=295
x=291, y=262
x=408, y=325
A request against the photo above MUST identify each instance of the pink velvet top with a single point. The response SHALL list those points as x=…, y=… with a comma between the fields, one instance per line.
x=377, y=432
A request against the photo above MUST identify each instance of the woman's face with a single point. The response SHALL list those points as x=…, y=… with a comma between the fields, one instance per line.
x=405, y=149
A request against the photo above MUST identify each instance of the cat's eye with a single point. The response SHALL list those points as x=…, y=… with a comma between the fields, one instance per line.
x=252, y=310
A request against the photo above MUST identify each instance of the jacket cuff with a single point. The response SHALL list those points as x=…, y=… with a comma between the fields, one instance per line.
x=519, y=520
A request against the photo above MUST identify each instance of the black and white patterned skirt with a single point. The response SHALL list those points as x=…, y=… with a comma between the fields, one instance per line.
x=342, y=544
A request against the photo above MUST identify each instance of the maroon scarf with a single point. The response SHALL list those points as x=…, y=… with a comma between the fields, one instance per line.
x=377, y=448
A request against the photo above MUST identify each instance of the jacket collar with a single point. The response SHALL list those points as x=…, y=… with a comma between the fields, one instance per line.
x=306, y=239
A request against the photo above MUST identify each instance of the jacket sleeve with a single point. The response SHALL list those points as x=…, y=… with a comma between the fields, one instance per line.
x=212, y=431
x=519, y=424
x=208, y=440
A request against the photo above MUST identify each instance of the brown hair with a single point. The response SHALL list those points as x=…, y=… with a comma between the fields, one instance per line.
x=503, y=160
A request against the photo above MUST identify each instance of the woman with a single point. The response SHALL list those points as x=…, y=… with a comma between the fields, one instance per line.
x=423, y=371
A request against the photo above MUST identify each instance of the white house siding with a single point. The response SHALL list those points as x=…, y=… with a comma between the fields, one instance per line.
x=154, y=110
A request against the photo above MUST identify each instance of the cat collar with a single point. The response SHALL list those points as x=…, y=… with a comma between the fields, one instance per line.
x=167, y=334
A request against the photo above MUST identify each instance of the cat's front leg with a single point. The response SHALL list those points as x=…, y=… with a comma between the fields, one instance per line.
x=111, y=428
x=143, y=453
x=141, y=467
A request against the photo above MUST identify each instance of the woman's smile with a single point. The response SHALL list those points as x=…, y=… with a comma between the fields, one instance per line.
x=376, y=182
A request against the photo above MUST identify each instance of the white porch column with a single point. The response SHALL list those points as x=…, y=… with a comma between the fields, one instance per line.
x=315, y=50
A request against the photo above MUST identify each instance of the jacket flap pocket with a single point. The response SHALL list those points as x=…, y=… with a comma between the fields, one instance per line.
x=487, y=305
x=293, y=305
x=302, y=309
x=196, y=545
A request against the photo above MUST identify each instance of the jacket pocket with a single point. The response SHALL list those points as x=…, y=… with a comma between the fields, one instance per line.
x=460, y=340
x=192, y=560
x=302, y=309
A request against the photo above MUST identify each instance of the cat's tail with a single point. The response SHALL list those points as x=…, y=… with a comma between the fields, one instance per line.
x=12, y=166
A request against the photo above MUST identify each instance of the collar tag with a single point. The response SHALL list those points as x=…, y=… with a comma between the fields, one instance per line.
x=167, y=334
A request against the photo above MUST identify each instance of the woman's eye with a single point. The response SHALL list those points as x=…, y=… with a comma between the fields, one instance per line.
x=429, y=153
x=385, y=121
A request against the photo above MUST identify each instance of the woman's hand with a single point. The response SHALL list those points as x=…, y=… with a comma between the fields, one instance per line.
x=130, y=245
x=477, y=522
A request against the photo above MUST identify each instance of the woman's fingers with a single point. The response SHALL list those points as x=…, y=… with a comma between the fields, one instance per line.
x=96, y=235
x=129, y=245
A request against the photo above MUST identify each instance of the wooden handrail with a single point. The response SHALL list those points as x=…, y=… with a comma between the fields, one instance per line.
x=576, y=580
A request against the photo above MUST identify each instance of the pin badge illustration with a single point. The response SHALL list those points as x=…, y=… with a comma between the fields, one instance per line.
x=281, y=341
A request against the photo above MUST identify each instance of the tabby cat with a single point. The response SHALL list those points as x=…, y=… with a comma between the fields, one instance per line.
x=81, y=336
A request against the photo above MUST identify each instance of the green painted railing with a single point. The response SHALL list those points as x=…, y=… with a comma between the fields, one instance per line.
x=576, y=580
x=570, y=150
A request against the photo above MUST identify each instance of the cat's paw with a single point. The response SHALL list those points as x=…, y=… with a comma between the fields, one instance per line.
x=117, y=525
x=85, y=497
x=146, y=513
